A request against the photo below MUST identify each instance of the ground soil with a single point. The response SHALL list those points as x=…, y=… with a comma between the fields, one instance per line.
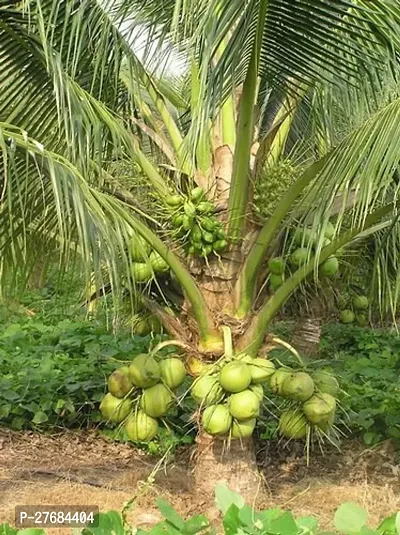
x=82, y=468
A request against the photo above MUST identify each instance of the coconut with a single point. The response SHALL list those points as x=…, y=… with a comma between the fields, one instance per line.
x=361, y=320
x=258, y=390
x=276, y=281
x=261, y=370
x=243, y=429
x=276, y=265
x=330, y=267
x=299, y=257
x=320, y=408
x=235, y=376
x=141, y=327
x=206, y=390
x=360, y=302
x=329, y=230
x=293, y=424
x=115, y=409
x=326, y=383
x=140, y=427
x=158, y=263
x=156, y=400
x=124, y=369
x=144, y=371
x=244, y=405
x=173, y=372
x=305, y=237
x=119, y=384
x=216, y=420
x=277, y=379
x=346, y=316
x=298, y=386
x=141, y=272
x=140, y=248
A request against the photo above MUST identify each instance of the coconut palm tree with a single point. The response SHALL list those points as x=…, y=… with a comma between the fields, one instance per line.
x=103, y=154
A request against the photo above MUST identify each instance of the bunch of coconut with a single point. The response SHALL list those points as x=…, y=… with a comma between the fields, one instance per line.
x=305, y=240
x=313, y=401
x=140, y=394
x=354, y=312
x=146, y=261
x=230, y=395
x=195, y=225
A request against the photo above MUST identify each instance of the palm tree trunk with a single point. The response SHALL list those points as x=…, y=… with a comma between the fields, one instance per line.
x=234, y=466
x=307, y=332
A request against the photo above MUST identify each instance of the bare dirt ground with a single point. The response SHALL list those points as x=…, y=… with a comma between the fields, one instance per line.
x=78, y=468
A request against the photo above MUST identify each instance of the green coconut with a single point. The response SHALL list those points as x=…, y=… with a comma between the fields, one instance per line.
x=235, y=376
x=276, y=265
x=124, y=369
x=346, y=316
x=174, y=200
x=276, y=281
x=173, y=372
x=243, y=429
x=244, y=405
x=299, y=257
x=158, y=263
x=206, y=390
x=144, y=371
x=320, y=408
x=197, y=194
x=114, y=409
x=305, y=237
x=156, y=400
x=140, y=427
x=329, y=230
x=258, y=390
x=261, y=370
x=298, y=386
x=326, y=383
x=140, y=248
x=216, y=420
x=330, y=267
x=360, y=302
x=277, y=379
x=141, y=272
x=119, y=384
x=293, y=424
x=361, y=320
x=141, y=327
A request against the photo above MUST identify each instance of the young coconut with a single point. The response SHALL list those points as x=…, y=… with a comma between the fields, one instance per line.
x=360, y=302
x=244, y=405
x=216, y=420
x=141, y=327
x=158, y=263
x=299, y=257
x=141, y=272
x=276, y=265
x=361, y=320
x=276, y=281
x=235, y=376
x=347, y=316
x=140, y=427
x=140, y=248
x=243, y=429
x=261, y=370
x=156, y=400
x=330, y=267
x=173, y=372
x=206, y=390
x=277, y=379
x=114, y=409
x=326, y=383
x=144, y=371
x=298, y=386
x=119, y=384
x=258, y=391
x=293, y=424
x=320, y=408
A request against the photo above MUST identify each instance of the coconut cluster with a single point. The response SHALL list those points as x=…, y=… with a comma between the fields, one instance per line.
x=230, y=395
x=140, y=394
x=305, y=240
x=195, y=224
x=354, y=310
x=313, y=401
x=147, y=262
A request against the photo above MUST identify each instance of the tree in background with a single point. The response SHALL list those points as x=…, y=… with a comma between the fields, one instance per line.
x=153, y=182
